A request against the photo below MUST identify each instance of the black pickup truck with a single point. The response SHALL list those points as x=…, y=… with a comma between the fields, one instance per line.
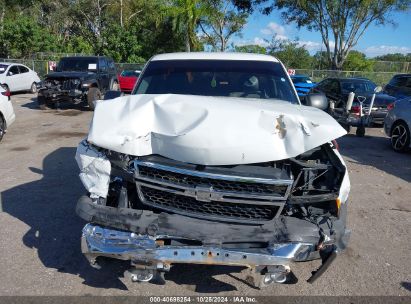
x=78, y=80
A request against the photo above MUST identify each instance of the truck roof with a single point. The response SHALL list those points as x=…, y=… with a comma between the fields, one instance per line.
x=214, y=56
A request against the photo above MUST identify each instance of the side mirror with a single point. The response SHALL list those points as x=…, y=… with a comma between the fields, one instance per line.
x=10, y=73
x=113, y=94
x=317, y=100
x=378, y=89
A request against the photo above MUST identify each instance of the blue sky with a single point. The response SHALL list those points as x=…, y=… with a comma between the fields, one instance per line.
x=377, y=40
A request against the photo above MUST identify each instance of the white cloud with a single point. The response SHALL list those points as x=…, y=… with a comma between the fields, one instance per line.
x=275, y=29
x=310, y=45
x=260, y=41
x=378, y=50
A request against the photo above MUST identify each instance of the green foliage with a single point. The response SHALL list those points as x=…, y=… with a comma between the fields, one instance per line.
x=292, y=53
x=357, y=61
x=22, y=37
x=250, y=48
x=398, y=57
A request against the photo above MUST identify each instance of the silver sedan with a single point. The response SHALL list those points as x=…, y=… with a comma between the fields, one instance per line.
x=397, y=124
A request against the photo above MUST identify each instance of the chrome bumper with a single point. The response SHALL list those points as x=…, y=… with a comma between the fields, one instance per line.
x=98, y=241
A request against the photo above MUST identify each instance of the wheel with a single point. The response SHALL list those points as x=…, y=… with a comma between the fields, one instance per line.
x=33, y=88
x=115, y=86
x=2, y=127
x=400, y=137
x=360, y=132
x=43, y=102
x=93, y=95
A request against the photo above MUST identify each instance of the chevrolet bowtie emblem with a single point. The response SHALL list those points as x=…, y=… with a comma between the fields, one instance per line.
x=203, y=194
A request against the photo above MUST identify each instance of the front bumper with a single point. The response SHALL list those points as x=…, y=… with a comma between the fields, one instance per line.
x=55, y=95
x=99, y=241
x=140, y=237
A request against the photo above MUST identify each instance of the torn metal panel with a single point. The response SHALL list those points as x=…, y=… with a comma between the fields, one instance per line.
x=210, y=130
x=95, y=169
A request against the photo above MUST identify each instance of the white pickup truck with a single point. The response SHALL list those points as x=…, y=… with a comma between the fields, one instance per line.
x=213, y=160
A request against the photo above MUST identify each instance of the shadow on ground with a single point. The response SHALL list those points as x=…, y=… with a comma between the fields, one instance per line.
x=47, y=206
x=63, y=105
x=376, y=151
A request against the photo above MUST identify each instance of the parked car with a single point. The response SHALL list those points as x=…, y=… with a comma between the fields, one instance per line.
x=338, y=89
x=78, y=80
x=399, y=86
x=127, y=79
x=212, y=160
x=18, y=77
x=7, y=115
x=302, y=84
x=397, y=124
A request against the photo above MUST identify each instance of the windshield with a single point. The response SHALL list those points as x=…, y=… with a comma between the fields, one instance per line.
x=301, y=79
x=3, y=68
x=77, y=64
x=130, y=73
x=357, y=86
x=230, y=78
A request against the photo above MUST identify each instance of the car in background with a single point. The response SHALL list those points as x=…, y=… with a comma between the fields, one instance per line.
x=302, y=84
x=397, y=124
x=338, y=89
x=7, y=115
x=18, y=77
x=79, y=79
x=127, y=79
x=399, y=86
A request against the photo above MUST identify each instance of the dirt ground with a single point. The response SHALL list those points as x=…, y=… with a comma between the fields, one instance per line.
x=40, y=232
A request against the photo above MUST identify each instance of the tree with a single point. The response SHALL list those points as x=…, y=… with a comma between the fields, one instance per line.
x=320, y=60
x=357, y=61
x=250, y=48
x=395, y=57
x=221, y=21
x=185, y=16
x=292, y=53
x=23, y=37
x=341, y=23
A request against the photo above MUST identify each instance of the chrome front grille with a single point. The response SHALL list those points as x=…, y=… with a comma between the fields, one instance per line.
x=208, y=195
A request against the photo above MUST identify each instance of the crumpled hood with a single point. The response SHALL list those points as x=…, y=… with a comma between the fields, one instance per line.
x=210, y=130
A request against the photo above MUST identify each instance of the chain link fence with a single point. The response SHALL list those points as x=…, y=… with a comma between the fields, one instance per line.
x=379, y=77
x=41, y=67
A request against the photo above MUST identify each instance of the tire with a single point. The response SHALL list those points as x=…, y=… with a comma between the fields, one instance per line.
x=115, y=86
x=2, y=127
x=42, y=102
x=33, y=88
x=360, y=132
x=93, y=94
x=400, y=137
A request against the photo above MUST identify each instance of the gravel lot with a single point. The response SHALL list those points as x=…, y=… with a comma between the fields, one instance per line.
x=40, y=232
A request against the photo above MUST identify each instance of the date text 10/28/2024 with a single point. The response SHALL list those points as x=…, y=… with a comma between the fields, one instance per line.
x=187, y=299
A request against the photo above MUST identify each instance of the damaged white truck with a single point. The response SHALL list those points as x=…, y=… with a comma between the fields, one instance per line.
x=213, y=160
